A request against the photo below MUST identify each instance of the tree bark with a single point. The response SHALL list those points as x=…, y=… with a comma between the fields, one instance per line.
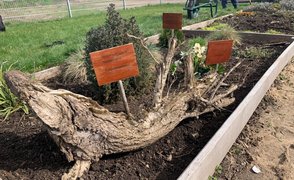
x=85, y=131
x=189, y=72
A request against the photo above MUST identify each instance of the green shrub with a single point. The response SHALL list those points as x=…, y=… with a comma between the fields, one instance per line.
x=199, y=40
x=166, y=35
x=114, y=33
x=9, y=103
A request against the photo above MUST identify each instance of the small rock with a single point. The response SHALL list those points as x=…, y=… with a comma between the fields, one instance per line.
x=256, y=169
x=169, y=157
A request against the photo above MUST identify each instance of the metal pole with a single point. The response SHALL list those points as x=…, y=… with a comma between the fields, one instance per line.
x=123, y=95
x=160, y=1
x=69, y=8
x=124, y=4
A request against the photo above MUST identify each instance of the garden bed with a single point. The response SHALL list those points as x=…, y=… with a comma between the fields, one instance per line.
x=27, y=152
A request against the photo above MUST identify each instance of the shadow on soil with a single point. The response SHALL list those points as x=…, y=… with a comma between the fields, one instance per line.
x=37, y=151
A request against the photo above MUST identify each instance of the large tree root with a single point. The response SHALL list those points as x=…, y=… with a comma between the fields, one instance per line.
x=85, y=131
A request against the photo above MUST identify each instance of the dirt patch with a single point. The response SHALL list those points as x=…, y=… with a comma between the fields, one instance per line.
x=267, y=141
x=262, y=22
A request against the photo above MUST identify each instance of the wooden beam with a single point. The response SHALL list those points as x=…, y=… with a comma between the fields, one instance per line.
x=261, y=37
x=216, y=149
x=47, y=73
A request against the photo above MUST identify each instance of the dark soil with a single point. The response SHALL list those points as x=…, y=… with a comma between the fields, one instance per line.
x=27, y=152
x=262, y=22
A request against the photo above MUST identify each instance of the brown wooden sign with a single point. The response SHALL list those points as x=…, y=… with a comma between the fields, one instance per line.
x=114, y=64
x=172, y=20
x=218, y=51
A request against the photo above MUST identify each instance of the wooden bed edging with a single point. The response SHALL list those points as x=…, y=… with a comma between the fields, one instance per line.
x=216, y=149
x=47, y=73
x=261, y=37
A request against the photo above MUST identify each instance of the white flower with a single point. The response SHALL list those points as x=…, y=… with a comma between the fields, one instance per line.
x=197, y=47
x=203, y=49
x=178, y=63
x=199, y=55
x=183, y=54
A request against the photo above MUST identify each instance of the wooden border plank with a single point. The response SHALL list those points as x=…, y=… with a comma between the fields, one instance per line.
x=47, y=73
x=216, y=149
x=262, y=37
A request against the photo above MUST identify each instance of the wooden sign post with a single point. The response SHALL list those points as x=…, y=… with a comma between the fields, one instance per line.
x=218, y=51
x=115, y=64
x=172, y=21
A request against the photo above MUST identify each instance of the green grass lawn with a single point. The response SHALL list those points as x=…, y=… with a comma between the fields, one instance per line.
x=25, y=43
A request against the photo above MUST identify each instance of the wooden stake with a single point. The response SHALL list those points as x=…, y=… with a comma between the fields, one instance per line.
x=123, y=95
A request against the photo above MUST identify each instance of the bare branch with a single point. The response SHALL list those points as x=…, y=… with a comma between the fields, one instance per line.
x=144, y=45
x=222, y=80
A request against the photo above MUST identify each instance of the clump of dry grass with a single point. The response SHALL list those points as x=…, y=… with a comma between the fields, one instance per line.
x=225, y=33
x=75, y=69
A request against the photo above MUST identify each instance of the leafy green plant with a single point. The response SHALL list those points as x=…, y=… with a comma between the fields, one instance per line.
x=217, y=172
x=114, y=33
x=166, y=35
x=199, y=40
x=216, y=26
x=227, y=32
x=255, y=53
x=9, y=103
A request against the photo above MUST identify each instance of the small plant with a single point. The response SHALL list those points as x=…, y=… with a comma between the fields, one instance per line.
x=272, y=31
x=216, y=26
x=254, y=53
x=9, y=103
x=166, y=35
x=287, y=5
x=114, y=33
x=226, y=33
x=217, y=172
x=74, y=71
x=198, y=40
x=198, y=55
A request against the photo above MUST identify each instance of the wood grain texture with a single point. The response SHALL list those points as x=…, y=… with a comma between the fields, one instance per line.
x=219, y=51
x=114, y=64
x=172, y=20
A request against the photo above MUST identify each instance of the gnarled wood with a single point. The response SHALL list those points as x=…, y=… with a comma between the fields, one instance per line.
x=84, y=130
